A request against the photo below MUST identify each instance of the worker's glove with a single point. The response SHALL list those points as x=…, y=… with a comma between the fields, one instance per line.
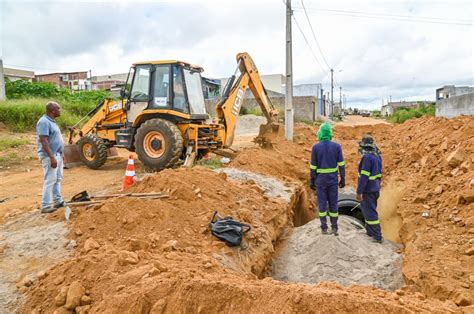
x=342, y=184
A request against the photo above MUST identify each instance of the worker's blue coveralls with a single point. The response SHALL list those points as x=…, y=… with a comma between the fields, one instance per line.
x=326, y=159
x=370, y=174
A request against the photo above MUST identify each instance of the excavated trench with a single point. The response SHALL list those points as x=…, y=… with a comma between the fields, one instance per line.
x=301, y=253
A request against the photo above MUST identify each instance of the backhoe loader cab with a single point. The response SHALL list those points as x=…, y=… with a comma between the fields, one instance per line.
x=162, y=116
x=164, y=85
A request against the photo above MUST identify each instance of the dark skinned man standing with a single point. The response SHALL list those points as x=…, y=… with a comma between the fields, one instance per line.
x=50, y=152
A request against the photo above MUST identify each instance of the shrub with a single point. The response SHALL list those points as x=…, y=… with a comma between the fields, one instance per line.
x=251, y=110
x=404, y=114
x=80, y=103
x=24, y=89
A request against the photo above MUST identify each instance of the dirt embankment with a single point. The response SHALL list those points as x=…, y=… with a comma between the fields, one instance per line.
x=433, y=159
x=158, y=255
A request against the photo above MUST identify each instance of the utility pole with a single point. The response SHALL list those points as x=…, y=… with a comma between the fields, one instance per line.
x=332, y=91
x=340, y=97
x=322, y=106
x=289, y=76
x=2, y=82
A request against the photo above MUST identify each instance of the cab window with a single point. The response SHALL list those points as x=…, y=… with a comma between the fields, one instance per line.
x=162, y=87
x=179, y=98
x=141, y=83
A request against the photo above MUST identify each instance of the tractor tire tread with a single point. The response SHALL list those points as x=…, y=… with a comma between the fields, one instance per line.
x=101, y=151
x=176, y=149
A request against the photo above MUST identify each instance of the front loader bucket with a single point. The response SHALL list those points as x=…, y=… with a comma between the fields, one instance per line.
x=72, y=155
x=268, y=134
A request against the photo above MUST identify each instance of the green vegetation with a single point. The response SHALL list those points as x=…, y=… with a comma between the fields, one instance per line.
x=316, y=123
x=6, y=143
x=26, y=104
x=24, y=89
x=11, y=156
x=403, y=114
x=376, y=113
x=212, y=163
x=252, y=110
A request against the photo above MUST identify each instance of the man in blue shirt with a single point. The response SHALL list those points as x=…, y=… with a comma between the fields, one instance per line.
x=326, y=161
x=50, y=152
x=368, y=186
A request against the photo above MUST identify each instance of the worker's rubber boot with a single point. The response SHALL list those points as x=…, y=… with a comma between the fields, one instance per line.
x=376, y=240
x=335, y=232
x=324, y=231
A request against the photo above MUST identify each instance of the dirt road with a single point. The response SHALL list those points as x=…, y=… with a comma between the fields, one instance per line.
x=360, y=120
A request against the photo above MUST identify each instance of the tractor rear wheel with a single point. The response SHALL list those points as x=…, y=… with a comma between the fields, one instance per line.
x=158, y=144
x=92, y=150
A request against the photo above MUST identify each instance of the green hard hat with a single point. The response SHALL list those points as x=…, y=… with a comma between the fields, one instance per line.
x=325, y=132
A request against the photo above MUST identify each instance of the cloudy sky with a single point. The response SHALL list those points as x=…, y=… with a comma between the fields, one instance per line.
x=405, y=49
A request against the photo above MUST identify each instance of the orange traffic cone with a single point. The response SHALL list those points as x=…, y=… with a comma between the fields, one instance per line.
x=129, y=173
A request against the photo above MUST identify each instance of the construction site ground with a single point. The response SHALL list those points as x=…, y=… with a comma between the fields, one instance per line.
x=158, y=255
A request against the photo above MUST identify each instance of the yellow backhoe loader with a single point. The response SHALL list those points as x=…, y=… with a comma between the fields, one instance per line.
x=162, y=116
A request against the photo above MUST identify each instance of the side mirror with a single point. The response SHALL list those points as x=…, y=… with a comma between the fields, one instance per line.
x=122, y=93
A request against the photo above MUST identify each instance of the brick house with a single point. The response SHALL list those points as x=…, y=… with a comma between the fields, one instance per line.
x=71, y=80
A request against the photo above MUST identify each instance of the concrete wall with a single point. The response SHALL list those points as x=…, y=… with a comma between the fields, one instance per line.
x=455, y=106
x=305, y=107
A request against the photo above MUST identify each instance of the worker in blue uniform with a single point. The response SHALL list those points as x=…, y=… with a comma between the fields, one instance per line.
x=326, y=162
x=368, y=186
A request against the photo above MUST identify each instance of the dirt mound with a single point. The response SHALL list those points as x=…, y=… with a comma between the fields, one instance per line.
x=158, y=255
x=433, y=159
x=128, y=235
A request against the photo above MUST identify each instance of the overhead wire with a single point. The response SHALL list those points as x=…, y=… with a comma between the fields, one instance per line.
x=314, y=35
x=307, y=42
x=432, y=20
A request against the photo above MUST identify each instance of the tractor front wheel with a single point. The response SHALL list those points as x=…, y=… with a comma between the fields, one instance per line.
x=92, y=150
x=158, y=144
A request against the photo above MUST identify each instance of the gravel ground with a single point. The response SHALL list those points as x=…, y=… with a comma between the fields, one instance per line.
x=351, y=258
x=29, y=245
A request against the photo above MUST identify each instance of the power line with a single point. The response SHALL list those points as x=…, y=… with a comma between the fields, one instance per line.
x=314, y=35
x=307, y=42
x=393, y=17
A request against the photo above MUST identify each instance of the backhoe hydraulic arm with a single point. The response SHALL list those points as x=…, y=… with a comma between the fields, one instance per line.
x=229, y=108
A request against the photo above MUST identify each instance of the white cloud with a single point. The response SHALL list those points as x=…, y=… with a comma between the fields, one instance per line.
x=378, y=56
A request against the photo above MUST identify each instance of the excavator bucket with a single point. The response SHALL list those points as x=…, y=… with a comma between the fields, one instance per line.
x=72, y=155
x=268, y=134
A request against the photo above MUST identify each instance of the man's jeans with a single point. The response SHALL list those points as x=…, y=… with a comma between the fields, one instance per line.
x=52, y=181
